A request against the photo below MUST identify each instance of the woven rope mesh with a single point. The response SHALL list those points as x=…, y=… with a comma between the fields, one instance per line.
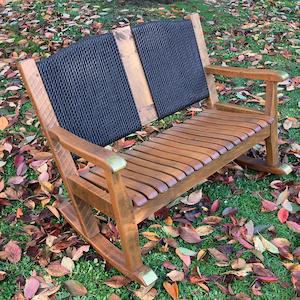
x=89, y=91
x=172, y=64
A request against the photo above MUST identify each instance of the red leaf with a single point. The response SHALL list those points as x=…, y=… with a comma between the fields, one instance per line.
x=267, y=278
x=268, y=205
x=293, y=226
x=283, y=215
x=215, y=206
x=189, y=234
x=13, y=251
x=31, y=287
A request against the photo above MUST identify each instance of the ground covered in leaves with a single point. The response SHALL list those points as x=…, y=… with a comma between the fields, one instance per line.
x=237, y=235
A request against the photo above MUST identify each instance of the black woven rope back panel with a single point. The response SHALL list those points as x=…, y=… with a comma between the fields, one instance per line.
x=171, y=61
x=89, y=90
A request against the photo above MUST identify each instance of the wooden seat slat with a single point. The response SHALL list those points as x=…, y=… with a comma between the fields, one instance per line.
x=217, y=116
x=212, y=128
x=213, y=154
x=203, y=158
x=239, y=122
x=185, y=168
x=197, y=130
x=195, y=164
x=186, y=141
x=177, y=132
x=243, y=133
x=166, y=178
x=138, y=198
x=139, y=187
x=244, y=116
x=177, y=174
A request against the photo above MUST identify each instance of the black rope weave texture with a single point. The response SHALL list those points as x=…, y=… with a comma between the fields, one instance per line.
x=89, y=90
x=172, y=64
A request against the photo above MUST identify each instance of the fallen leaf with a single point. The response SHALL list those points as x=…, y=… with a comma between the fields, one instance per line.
x=193, y=198
x=293, y=226
x=114, y=297
x=13, y=252
x=212, y=220
x=258, y=245
x=268, y=205
x=215, y=206
x=3, y=123
x=219, y=256
x=189, y=234
x=77, y=253
x=238, y=263
x=68, y=263
x=171, y=230
x=283, y=196
x=283, y=215
x=2, y=275
x=117, y=281
x=269, y=246
x=31, y=287
x=149, y=246
x=144, y=293
x=185, y=258
x=75, y=288
x=201, y=254
x=176, y=275
x=172, y=289
x=204, y=230
x=187, y=251
x=152, y=236
x=57, y=270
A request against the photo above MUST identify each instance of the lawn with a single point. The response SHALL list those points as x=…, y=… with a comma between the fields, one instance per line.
x=260, y=34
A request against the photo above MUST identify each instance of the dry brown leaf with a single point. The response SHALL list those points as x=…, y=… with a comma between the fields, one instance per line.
x=117, y=281
x=152, y=236
x=176, y=275
x=57, y=270
x=3, y=123
x=172, y=289
x=75, y=288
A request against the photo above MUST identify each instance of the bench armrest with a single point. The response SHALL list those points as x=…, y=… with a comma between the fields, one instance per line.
x=95, y=154
x=257, y=74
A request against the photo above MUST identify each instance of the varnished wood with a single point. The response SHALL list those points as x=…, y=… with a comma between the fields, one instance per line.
x=100, y=156
x=63, y=159
x=135, y=74
x=261, y=165
x=213, y=95
x=114, y=256
x=257, y=74
x=271, y=110
x=163, y=199
x=162, y=168
x=228, y=107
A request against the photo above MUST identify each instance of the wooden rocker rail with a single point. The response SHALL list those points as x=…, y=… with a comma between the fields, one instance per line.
x=129, y=187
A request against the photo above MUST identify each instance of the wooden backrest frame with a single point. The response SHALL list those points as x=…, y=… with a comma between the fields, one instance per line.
x=135, y=75
x=213, y=95
x=63, y=158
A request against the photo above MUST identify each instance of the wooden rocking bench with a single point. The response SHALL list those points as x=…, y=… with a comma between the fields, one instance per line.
x=106, y=87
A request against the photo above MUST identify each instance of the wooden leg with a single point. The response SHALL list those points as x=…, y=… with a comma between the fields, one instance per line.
x=85, y=216
x=107, y=250
x=128, y=230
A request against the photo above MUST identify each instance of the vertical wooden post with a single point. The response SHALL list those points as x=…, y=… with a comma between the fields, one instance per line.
x=63, y=158
x=213, y=95
x=124, y=216
x=271, y=110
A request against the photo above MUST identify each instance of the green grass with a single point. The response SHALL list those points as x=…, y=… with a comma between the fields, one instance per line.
x=222, y=35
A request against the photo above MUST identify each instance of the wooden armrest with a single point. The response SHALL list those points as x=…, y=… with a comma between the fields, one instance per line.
x=95, y=154
x=257, y=74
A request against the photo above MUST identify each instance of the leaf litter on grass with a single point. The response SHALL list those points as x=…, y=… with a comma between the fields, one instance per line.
x=196, y=231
